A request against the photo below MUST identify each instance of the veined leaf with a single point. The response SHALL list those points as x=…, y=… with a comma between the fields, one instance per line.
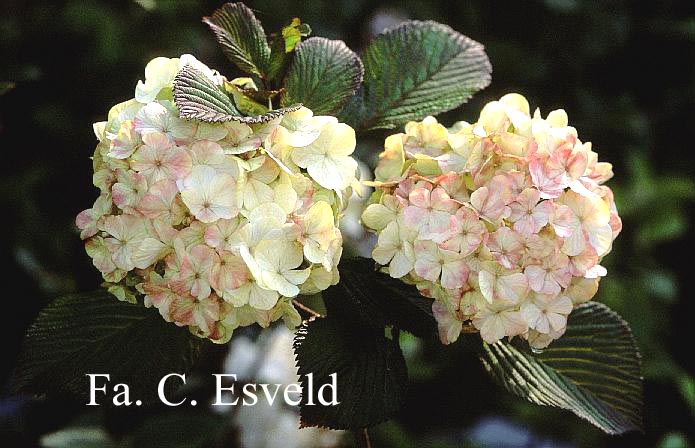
x=95, y=333
x=371, y=374
x=241, y=37
x=417, y=69
x=198, y=98
x=382, y=299
x=593, y=370
x=350, y=341
x=324, y=75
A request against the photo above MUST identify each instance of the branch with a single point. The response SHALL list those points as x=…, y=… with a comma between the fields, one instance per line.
x=305, y=308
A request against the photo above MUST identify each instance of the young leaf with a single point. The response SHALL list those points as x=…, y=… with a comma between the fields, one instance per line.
x=593, y=370
x=241, y=37
x=293, y=33
x=95, y=333
x=198, y=98
x=283, y=44
x=371, y=373
x=418, y=69
x=383, y=299
x=243, y=101
x=324, y=74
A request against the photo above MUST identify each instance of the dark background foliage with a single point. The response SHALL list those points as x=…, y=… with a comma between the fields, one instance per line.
x=624, y=71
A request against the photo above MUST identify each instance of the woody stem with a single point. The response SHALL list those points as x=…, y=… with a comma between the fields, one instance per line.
x=303, y=307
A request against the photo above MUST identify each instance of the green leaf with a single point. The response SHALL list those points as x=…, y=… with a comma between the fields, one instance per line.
x=371, y=372
x=381, y=299
x=278, y=59
x=198, y=98
x=418, y=69
x=324, y=75
x=593, y=370
x=243, y=100
x=260, y=96
x=241, y=37
x=283, y=44
x=292, y=34
x=95, y=333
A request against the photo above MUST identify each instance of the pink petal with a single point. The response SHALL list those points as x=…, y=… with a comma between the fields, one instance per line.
x=420, y=197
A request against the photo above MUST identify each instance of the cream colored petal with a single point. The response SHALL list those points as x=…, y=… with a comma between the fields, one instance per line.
x=262, y=299
x=149, y=252
x=377, y=216
x=403, y=261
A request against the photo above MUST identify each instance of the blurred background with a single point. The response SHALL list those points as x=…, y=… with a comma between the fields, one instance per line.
x=623, y=70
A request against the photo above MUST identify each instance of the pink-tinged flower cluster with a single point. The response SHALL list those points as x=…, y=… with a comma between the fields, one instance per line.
x=216, y=225
x=503, y=222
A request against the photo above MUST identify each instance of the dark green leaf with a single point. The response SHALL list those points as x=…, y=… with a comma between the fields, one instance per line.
x=198, y=98
x=95, y=333
x=278, y=59
x=382, y=299
x=418, y=69
x=371, y=372
x=593, y=370
x=241, y=36
x=324, y=74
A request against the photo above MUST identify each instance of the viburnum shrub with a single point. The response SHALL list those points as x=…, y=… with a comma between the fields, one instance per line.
x=219, y=207
x=503, y=222
x=217, y=225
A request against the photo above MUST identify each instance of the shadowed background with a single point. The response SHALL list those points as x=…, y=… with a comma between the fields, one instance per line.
x=623, y=71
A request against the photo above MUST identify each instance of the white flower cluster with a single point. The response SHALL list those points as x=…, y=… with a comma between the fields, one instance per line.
x=217, y=225
x=503, y=222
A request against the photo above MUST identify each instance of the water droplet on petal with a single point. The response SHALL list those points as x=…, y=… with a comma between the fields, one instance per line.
x=536, y=351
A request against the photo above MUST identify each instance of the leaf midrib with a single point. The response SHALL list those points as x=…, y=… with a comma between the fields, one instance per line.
x=367, y=124
x=315, y=86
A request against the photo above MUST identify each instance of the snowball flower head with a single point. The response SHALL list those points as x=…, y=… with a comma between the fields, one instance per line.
x=216, y=225
x=502, y=222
